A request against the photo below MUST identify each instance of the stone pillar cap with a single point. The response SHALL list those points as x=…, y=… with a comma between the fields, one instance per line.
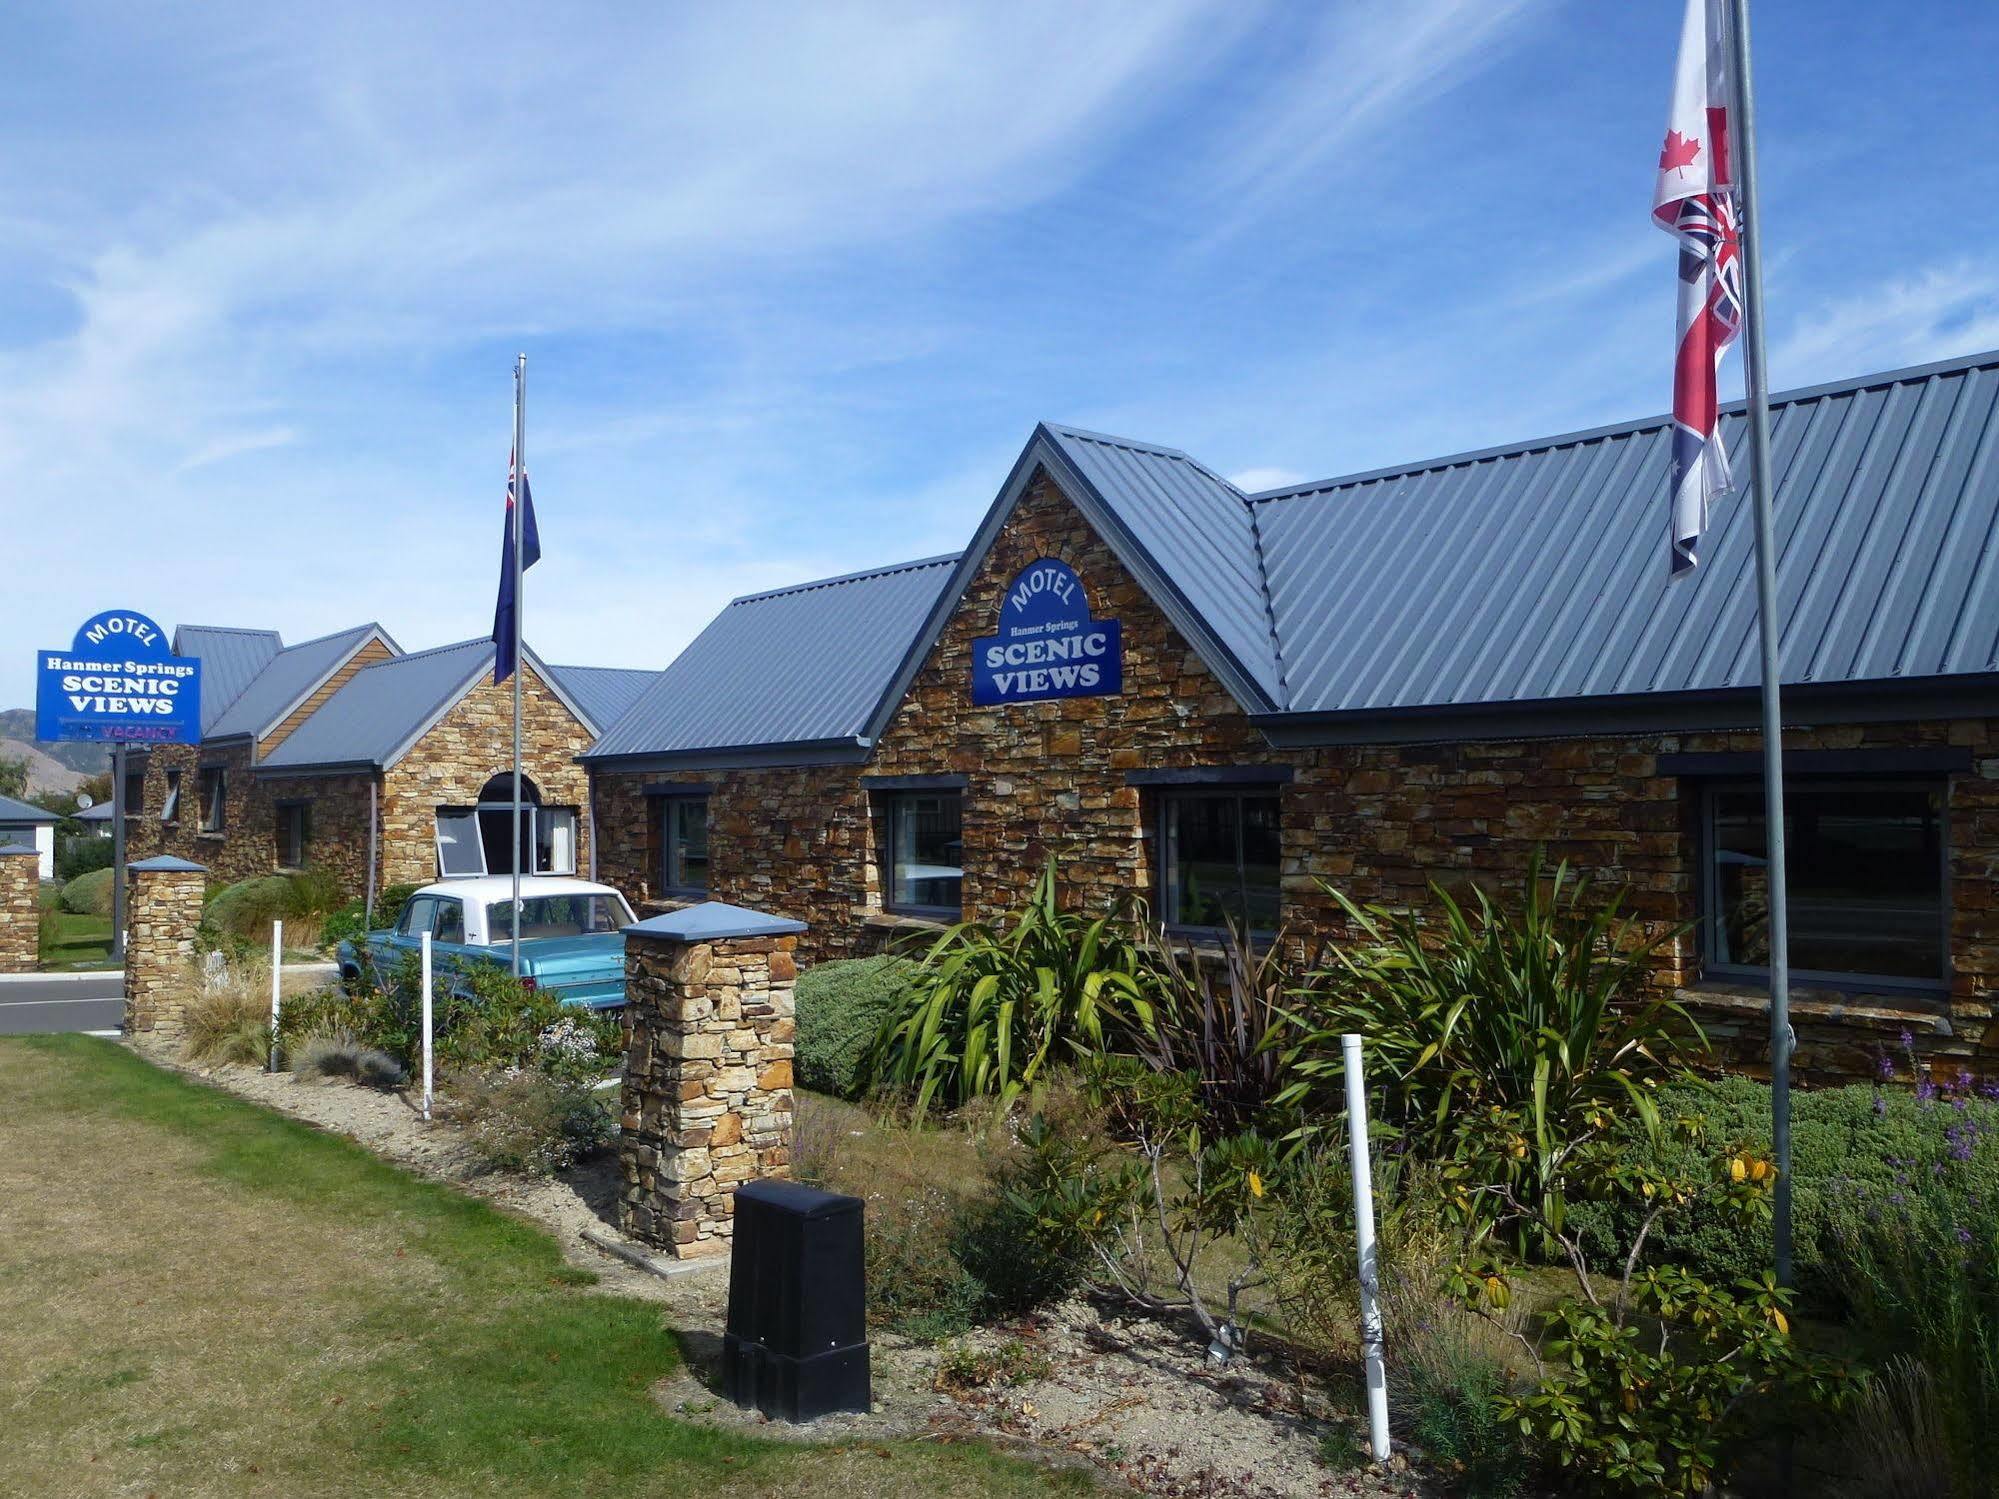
x=19, y=848
x=714, y=921
x=166, y=864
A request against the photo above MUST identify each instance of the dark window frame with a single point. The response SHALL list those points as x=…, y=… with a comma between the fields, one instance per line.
x=1708, y=899
x=215, y=803
x=290, y=806
x=891, y=806
x=672, y=882
x=170, y=805
x=1166, y=798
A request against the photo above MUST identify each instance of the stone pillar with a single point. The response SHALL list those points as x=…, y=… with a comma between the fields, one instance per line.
x=709, y=1021
x=162, y=912
x=20, y=908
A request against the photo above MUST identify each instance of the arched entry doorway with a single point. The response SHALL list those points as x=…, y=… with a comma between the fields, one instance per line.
x=478, y=839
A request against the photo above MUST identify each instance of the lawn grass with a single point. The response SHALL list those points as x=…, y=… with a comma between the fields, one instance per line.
x=81, y=942
x=204, y=1297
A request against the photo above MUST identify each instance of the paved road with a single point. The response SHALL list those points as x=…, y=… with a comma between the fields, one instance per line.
x=36, y=1005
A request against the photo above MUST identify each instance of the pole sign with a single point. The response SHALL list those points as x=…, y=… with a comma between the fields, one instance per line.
x=1048, y=645
x=118, y=683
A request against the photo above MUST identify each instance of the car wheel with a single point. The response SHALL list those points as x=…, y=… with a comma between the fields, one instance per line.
x=350, y=979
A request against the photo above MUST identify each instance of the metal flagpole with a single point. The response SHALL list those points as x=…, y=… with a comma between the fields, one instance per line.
x=517, y=510
x=1757, y=381
x=118, y=810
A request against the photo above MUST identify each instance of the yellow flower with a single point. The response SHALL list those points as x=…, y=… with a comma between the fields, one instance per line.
x=1736, y=1170
x=1783, y=1323
x=1759, y=1170
x=1255, y=1185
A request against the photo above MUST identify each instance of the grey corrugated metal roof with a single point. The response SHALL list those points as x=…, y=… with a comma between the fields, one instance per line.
x=1537, y=572
x=1196, y=528
x=290, y=675
x=230, y=660
x=798, y=665
x=381, y=707
x=14, y=811
x=606, y=693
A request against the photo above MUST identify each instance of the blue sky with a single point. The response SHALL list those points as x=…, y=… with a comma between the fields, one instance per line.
x=796, y=282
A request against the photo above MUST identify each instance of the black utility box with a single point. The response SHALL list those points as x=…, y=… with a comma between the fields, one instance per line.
x=797, y=1340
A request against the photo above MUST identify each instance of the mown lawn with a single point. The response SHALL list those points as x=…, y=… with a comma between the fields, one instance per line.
x=203, y=1297
x=81, y=942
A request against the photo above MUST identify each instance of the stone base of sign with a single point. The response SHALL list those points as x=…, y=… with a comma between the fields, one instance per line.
x=709, y=1023
x=162, y=913
x=20, y=913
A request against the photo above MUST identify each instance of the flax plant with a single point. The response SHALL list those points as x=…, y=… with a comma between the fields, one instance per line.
x=1538, y=1012
x=991, y=1007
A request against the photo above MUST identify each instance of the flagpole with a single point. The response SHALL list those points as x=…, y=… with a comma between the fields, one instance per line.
x=1756, y=379
x=518, y=511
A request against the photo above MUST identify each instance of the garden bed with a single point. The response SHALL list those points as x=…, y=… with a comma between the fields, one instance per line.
x=1129, y=1394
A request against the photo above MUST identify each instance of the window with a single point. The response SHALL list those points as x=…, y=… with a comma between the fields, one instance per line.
x=135, y=790
x=1219, y=855
x=474, y=840
x=294, y=827
x=170, y=811
x=1866, y=867
x=924, y=843
x=554, y=840
x=458, y=847
x=450, y=925
x=557, y=916
x=212, y=795
x=417, y=916
x=684, y=845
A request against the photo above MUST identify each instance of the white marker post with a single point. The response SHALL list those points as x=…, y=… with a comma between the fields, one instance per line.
x=277, y=976
x=1370, y=1268
x=426, y=1027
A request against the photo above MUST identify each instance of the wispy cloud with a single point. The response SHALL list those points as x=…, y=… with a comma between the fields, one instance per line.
x=1936, y=313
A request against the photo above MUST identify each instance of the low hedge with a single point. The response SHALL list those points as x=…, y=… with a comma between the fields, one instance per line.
x=1840, y=1137
x=246, y=909
x=88, y=894
x=841, y=1007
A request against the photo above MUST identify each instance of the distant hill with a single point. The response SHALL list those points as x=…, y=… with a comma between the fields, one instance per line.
x=17, y=725
x=44, y=773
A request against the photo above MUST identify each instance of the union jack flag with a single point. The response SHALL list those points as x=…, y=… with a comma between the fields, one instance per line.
x=1694, y=199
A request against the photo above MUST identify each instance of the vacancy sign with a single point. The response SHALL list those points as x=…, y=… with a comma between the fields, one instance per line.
x=119, y=683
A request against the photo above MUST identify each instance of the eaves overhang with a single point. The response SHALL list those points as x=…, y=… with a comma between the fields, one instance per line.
x=803, y=752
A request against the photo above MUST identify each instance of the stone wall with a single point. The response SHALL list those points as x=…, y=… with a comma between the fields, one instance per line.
x=1052, y=780
x=20, y=911
x=707, y=1093
x=245, y=846
x=792, y=841
x=336, y=827
x=163, y=909
x=467, y=747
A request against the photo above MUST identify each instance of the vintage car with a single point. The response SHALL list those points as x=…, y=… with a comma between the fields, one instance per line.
x=572, y=941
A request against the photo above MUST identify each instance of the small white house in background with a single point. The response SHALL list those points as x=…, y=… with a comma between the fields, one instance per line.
x=95, y=818
x=25, y=823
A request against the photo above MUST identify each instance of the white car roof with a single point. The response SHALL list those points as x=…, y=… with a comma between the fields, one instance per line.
x=486, y=888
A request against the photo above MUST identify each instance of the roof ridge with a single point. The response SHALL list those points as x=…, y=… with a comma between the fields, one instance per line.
x=232, y=630
x=370, y=626
x=435, y=650
x=1627, y=428
x=1138, y=445
x=858, y=577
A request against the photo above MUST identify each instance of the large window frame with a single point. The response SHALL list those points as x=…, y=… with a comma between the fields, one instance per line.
x=213, y=786
x=1166, y=859
x=551, y=833
x=1713, y=913
x=896, y=809
x=682, y=820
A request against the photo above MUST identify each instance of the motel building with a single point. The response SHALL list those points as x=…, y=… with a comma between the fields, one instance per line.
x=1226, y=703
x=347, y=754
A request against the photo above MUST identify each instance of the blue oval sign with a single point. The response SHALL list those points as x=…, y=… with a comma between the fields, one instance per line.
x=118, y=682
x=1048, y=645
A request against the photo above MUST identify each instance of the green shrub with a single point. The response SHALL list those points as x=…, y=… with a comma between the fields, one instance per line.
x=88, y=894
x=916, y=1285
x=77, y=856
x=976, y=1366
x=991, y=1007
x=841, y=1007
x=1451, y=1394
x=1015, y=1239
x=389, y=905
x=245, y=910
x=1536, y=1008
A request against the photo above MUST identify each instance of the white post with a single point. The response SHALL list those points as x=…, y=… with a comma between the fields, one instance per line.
x=277, y=977
x=1370, y=1267
x=426, y=1027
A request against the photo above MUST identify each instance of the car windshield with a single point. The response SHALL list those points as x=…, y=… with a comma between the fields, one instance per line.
x=557, y=916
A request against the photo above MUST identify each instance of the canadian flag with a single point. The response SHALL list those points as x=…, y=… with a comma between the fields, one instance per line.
x=1694, y=199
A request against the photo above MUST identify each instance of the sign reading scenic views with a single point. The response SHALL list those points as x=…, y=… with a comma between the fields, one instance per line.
x=118, y=683
x=1047, y=646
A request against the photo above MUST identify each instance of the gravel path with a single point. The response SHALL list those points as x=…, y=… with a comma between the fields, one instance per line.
x=1130, y=1396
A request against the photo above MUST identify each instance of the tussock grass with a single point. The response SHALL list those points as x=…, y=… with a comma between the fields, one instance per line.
x=205, y=1298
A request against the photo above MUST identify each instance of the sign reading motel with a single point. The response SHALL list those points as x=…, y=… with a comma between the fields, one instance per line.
x=118, y=683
